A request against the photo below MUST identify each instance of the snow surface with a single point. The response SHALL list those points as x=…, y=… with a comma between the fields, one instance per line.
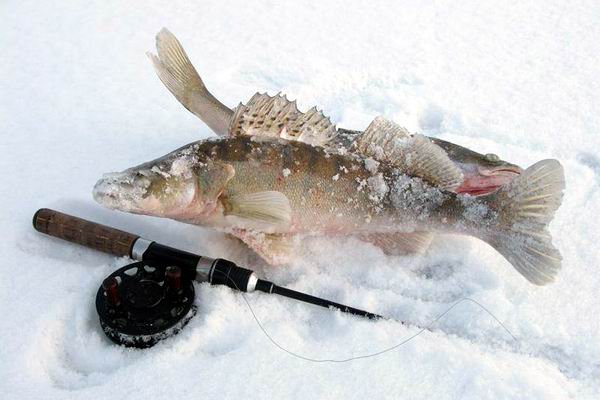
x=78, y=98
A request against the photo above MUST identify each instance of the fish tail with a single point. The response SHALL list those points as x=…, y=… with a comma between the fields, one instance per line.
x=525, y=208
x=175, y=70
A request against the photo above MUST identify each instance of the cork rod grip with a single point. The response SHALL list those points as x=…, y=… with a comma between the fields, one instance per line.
x=83, y=232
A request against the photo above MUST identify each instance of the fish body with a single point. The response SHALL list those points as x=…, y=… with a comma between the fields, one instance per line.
x=252, y=186
x=278, y=173
x=326, y=193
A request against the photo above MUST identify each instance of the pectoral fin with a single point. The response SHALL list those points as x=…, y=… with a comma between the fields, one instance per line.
x=261, y=210
x=400, y=243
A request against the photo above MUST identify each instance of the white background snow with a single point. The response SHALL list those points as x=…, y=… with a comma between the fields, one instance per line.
x=78, y=98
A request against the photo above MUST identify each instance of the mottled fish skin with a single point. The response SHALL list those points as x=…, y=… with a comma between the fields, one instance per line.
x=328, y=193
x=267, y=186
x=483, y=173
x=323, y=189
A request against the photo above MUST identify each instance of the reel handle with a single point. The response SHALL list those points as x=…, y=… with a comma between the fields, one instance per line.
x=87, y=233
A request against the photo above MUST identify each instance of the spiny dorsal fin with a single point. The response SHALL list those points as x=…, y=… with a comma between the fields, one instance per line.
x=415, y=155
x=278, y=117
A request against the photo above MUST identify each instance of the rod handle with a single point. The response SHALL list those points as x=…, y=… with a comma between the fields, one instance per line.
x=84, y=232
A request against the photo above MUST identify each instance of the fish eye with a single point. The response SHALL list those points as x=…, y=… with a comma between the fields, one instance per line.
x=491, y=157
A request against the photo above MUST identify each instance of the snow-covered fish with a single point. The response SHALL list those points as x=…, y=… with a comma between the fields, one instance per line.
x=268, y=190
x=283, y=173
x=483, y=173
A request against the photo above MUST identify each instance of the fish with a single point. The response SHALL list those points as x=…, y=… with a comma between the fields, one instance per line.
x=483, y=173
x=269, y=191
x=390, y=187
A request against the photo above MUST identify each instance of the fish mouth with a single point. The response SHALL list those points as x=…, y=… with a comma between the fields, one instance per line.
x=487, y=181
x=120, y=191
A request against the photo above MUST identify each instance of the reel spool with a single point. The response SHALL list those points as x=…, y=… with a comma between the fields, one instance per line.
x=143, y=303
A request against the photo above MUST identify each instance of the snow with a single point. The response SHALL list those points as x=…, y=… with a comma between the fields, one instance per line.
x=371, y=165
x=415, y=196
x=378, y=187
x=78, y=98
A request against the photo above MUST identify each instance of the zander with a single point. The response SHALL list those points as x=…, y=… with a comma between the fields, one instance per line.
x=268, y=190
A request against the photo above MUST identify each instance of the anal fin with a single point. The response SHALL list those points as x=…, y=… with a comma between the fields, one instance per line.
x=400, y=243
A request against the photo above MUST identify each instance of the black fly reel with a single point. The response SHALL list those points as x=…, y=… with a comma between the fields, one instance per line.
x=143, y=303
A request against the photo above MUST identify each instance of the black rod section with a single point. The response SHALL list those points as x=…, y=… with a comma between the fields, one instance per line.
x=270, y=287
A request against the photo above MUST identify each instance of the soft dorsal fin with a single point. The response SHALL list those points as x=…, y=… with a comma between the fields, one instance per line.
x=416, y=155
x=278, y=117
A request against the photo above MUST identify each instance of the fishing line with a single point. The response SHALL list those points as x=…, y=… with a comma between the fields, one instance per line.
x=377, y=353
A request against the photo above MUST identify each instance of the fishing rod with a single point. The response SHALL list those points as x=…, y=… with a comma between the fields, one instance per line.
x=153, y=298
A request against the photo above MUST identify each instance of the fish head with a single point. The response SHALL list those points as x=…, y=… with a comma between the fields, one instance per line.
x=483, y=173
x=165, y=187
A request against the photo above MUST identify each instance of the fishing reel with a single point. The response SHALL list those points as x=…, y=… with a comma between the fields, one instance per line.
x=142, y=303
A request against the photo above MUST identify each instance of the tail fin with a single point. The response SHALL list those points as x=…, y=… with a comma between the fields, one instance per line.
x=175, y=70
x=525, y=208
